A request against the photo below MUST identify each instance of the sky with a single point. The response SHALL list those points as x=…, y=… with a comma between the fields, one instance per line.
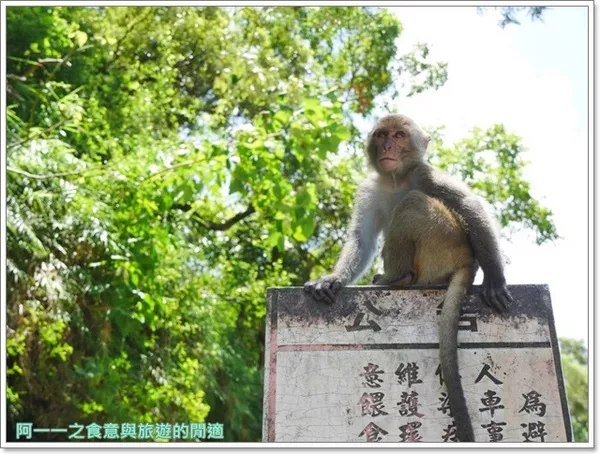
x=532, y=78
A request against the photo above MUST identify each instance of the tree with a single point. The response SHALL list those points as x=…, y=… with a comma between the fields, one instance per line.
x=164, y=167
x=509, y=14
x=574, y=360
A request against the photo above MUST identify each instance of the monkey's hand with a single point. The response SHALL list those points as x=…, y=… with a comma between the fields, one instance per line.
x=495, y=293
x=324, y=288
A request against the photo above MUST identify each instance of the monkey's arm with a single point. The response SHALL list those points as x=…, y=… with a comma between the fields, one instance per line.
x=481, y=234
x=358, y=250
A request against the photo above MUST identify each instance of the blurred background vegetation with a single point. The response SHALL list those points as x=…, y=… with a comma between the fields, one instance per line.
x=165, y=166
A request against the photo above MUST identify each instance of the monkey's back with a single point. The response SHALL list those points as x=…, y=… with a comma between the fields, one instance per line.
x=443, y=246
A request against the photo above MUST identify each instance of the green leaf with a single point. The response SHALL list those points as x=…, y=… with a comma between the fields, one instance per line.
x=235, y=186
x=281, y=118
x=81, y=38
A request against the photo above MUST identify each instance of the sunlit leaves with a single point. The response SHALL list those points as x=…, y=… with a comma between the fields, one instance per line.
x=422, y=73
x=148, y=132
x=491, y=162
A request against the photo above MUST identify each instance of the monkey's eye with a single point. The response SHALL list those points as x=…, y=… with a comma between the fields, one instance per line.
x=400, y=134
x=380, y=134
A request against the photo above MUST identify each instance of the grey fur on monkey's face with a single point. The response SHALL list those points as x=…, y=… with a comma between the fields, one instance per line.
x=394, y=143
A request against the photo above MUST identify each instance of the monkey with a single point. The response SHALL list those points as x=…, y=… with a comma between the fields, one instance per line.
x=427, y=244
x=435, y=231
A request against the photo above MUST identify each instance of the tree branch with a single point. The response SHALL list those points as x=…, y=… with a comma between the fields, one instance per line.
x=168, y=169
x=229, y=223
x=33, y=136
x=54, y=175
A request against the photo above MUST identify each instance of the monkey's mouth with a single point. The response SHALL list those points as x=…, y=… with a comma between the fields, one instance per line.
x=388, y=159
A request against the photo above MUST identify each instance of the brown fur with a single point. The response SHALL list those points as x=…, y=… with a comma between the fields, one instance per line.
x=427, y=223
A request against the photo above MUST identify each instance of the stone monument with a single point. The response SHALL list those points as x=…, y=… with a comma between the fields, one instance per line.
x=366, y=368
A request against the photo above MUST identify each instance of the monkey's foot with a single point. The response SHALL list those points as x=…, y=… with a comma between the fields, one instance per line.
x=404, y=280
x=496, y=294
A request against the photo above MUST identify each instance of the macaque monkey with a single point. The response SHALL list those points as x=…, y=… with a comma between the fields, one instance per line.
x=435, y=232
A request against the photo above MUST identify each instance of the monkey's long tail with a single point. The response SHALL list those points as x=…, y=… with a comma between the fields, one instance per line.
x=448, y=328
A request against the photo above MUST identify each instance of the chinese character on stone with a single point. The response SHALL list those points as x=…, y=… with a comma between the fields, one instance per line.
x=372, y=432
x=356, y=326
x=371, y=375
x=533, y=404
x=372, y=404
x=485, y=372
x=445, y=404
x=467, y=319
x=450, y=433
x=535, y=430
x=410, y=432
x=409, y=404
x=494, y=430
x=490, y=402
x=371, y=324
x=408, y=373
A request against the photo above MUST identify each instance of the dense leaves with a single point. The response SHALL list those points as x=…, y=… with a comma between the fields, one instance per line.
x=574, y=357
x=166, y=166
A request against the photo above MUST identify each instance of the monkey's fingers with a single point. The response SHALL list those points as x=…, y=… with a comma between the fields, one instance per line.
x=506, y=298
x=309, y=286
x=335, y=286
x=311, y=289
x=489, y=296
x=504, y=301
x=326, y=295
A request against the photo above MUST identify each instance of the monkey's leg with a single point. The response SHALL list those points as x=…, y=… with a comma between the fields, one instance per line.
x=398, y=259
x=404, y=280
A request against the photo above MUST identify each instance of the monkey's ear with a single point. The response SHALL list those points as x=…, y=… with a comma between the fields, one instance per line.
x=426, y=140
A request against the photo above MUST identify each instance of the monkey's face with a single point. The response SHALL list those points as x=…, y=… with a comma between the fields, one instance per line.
x=392, y=146
x=395, y=143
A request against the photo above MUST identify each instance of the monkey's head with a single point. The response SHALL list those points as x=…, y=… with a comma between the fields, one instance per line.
x=395, y=143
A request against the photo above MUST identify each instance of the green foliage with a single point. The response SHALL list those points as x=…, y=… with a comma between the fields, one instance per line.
x=574, y=360
x=166, y=166
x=424, y=74
x=490, y=162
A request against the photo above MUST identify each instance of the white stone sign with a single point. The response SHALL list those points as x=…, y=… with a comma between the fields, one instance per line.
x=366, y=368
